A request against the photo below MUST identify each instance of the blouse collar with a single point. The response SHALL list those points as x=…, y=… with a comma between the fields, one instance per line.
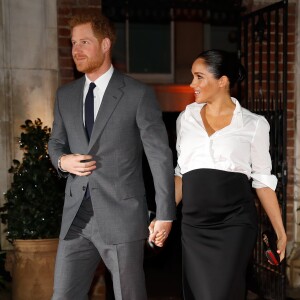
x=237, y=119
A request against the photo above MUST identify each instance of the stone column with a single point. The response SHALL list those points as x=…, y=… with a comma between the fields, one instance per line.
x=28, y=73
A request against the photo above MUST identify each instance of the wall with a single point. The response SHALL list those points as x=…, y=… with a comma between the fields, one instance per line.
x=28, y=73
x=293, y=139
x=291, y=118
x=294, y=257
x=297, y=123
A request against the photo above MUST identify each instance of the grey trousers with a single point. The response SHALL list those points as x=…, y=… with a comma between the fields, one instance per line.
x=80, y=253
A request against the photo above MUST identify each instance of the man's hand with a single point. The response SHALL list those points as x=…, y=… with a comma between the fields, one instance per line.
x=159, y=231
x=78, y=164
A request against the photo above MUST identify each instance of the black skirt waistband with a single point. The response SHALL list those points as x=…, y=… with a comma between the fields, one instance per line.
x=214, y=196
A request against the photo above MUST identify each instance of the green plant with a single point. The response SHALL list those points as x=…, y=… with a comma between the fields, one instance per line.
x=34, y=202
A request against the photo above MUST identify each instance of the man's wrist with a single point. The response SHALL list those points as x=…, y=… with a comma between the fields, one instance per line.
x=59, y=164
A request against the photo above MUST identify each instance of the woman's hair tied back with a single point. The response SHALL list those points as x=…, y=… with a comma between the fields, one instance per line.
x=222, y=63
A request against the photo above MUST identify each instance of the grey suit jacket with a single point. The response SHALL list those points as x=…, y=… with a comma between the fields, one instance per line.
x=129, y=120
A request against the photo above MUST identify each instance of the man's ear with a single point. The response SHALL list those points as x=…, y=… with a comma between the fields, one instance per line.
x=106, y=44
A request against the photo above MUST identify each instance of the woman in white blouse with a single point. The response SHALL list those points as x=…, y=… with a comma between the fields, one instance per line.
x=221, y=146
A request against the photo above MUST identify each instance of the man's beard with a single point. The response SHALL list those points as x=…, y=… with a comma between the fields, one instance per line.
x=89, y=66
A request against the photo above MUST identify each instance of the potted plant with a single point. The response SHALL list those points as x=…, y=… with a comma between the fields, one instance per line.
x=32, y=214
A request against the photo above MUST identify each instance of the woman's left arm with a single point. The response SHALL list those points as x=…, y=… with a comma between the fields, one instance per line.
x=270, y=204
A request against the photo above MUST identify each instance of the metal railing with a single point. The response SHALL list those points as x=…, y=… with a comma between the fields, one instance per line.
x=263, y=52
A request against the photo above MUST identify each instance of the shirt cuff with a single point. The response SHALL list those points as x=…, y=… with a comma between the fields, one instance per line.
x=261, y=181
x=178, y=171
x=165, y=220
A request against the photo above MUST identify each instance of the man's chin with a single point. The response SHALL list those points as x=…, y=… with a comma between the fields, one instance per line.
x=86, y=68
x=80, y=68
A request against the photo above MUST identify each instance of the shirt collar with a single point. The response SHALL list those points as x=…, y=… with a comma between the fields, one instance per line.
x=237, y=114
x=101, y=81
x=237, y=119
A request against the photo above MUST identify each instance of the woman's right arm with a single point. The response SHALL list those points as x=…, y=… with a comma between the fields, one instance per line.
x=178, y=174
x=178, y=189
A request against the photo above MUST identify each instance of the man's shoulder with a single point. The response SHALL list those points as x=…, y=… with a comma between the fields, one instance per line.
x=129, y=80
x=70, y=86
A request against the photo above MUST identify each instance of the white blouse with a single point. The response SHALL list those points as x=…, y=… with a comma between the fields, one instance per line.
x=242, y=146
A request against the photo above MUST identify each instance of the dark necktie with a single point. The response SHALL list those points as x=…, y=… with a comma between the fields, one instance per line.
x=89, y=110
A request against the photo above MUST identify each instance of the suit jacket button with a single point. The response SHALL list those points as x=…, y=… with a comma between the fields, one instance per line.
x=84, y=188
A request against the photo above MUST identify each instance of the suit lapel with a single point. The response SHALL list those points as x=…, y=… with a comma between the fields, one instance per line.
x=77, y=95
x=111, y=98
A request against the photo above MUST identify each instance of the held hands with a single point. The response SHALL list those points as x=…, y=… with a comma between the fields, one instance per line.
x=78, y=164
x=159, y=231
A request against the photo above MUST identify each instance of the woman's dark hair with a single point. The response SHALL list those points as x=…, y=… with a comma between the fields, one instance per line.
x=221, y=63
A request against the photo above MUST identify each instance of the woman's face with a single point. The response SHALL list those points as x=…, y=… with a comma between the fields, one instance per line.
x=206, y=86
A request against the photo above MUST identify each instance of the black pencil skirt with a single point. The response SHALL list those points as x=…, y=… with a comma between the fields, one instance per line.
x=219, y=228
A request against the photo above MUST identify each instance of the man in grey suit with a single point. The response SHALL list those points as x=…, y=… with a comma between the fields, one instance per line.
x=99, y=148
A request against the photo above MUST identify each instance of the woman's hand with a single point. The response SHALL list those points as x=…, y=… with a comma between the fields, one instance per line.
x=159, y=232
x=281, y=246
x=270, y=204
x=151, y=228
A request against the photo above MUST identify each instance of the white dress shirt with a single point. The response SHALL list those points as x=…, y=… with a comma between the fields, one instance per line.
x=101, y=85
x=242, y=146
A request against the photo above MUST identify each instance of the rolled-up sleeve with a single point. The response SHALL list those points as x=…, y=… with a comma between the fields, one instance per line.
x=178, y=171
x=260, y=157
